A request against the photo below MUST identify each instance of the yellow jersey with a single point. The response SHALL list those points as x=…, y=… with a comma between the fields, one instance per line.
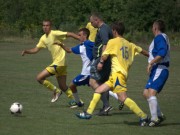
x=57, y=53
x=93, y=32
x=122, y=54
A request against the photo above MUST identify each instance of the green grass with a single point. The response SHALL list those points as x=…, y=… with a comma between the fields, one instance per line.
x=40, y=117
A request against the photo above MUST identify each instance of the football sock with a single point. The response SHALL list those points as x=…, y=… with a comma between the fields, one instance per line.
x=153, y=107
x=94, y=101
x=76, y=97
x=113, y=94
x=135, y=108
x=50, y=86
x=105, y=98
x=159, y=113
x=69, y=93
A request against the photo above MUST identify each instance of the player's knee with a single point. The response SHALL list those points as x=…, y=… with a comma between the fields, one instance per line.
x=145, y=94
x=39, y=79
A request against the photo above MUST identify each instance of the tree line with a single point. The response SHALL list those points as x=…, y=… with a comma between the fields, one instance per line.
x=25, y=16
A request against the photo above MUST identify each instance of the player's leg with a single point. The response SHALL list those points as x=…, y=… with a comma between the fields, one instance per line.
x=41, y=78
x=155, y=84
x=131, y=104
x=62, y=85
x=114, y=95
x=79, y=80
x=93, y=103
x=104, y=97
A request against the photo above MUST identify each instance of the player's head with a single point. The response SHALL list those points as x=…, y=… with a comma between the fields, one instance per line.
x=158, y=25
x=118, y=27
x=83, y=34
x=96, y=20
x=47, y=26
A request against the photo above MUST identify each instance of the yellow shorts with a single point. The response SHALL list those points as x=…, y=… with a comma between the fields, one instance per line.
x=117, y=82
x=57, y=70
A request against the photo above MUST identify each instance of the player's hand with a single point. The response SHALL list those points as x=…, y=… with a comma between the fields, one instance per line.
x=23, y=53
x=149, y=67
x=99, y=66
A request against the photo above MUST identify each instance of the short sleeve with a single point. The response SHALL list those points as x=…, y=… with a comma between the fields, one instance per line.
x=41, y=43
x=110, y=48
x=60, y=35
x=76, y=49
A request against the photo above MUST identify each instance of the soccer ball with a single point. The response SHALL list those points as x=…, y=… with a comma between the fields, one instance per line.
x=16, y=108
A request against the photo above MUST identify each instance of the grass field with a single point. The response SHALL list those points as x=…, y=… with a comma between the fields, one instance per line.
x=40, y=117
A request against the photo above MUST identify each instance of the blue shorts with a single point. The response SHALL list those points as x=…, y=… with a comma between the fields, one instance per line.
x=157, y=79
x=81, y=80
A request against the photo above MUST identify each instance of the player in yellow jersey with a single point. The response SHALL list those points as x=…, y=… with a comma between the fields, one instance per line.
x=93, y=31
x=122, y=54
x=58, y=66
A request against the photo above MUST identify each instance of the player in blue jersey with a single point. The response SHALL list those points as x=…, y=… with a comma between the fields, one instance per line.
x=159, y=58
x=84, y=49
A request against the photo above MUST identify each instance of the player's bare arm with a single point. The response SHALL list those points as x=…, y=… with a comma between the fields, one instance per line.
x=155, y=60
x=67, y=49
x=145, y=53
x=30, y=51
x=101, y=62
x=73, y=35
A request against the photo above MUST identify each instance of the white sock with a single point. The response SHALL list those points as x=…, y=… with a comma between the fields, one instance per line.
x=113, y=94
x=76, y=97
x=153, y=107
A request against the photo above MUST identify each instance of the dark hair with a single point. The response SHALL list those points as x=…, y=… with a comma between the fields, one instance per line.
x=85, y=31
x=47, y=20
x=160, y=24
x=119, y=27
x=97, y=15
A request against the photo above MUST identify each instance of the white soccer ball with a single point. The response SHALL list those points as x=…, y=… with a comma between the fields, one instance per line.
x=16, y=108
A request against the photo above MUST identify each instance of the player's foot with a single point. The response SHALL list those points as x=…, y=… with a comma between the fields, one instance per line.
x=121, y=105
x=104, y=111
x=154, y=123
x=84, y=115
x=56, y=96
x=73, y=104
x=144, y=122
x=161, y=118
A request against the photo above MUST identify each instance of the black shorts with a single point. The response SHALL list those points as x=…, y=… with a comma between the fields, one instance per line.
x=103, y=75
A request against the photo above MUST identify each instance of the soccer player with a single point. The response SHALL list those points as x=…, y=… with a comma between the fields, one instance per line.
x=93, y=31
x=122, y=54
x=103, y=35
x=84, y=49
x=58, y=66
x=158, y=63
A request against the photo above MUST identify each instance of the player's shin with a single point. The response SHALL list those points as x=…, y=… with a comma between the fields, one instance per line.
x=135, y=108
x=94, y=101
x=50, y=86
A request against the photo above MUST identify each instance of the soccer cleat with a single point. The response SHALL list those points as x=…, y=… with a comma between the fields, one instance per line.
x=56, y=96
x=73, y=104
x=154, y=123
x=161, y=118
x=84, y=115
x=144, y=122
x=104, y=111
x=121, y=105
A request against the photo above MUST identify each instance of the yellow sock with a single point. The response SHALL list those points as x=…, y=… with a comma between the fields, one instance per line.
x=135, y=108
x=94, y=101
x=69, y=93
x=50, y=86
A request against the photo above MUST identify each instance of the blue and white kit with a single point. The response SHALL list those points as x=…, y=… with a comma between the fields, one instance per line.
x=85, y=51
x=159, y=74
